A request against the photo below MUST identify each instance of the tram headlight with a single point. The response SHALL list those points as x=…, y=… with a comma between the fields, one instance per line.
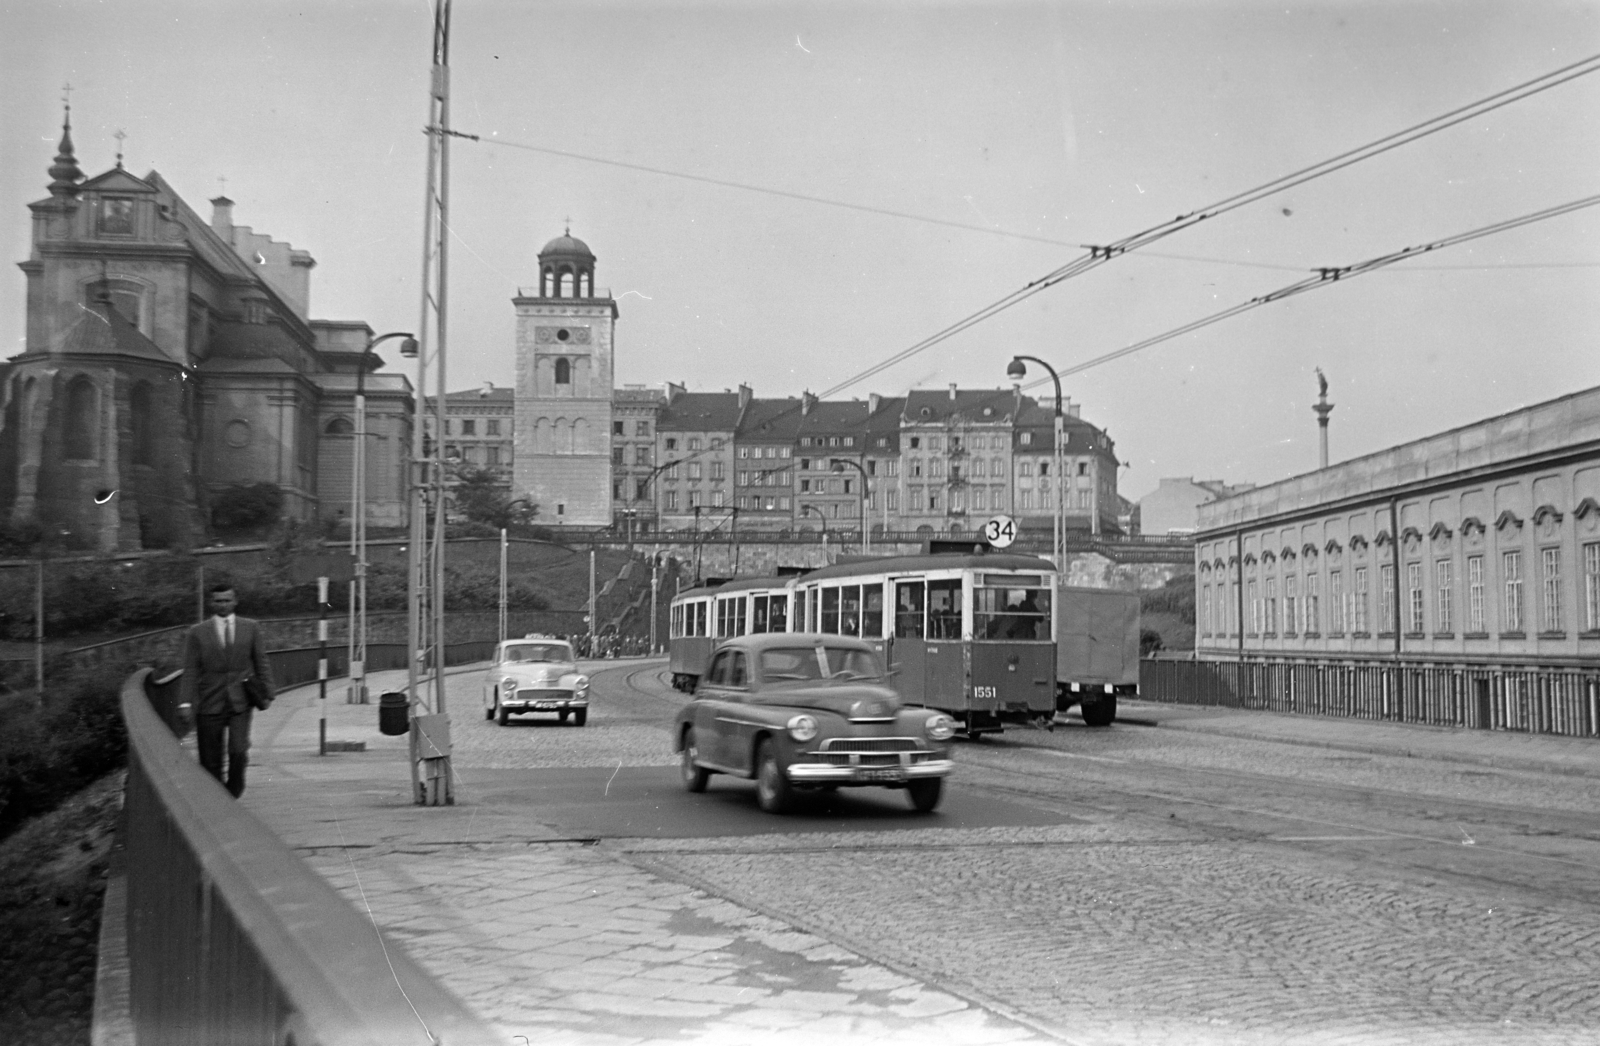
x=941, y=727
x=802, y=728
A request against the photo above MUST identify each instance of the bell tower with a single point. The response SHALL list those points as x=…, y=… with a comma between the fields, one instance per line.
x=564, y=385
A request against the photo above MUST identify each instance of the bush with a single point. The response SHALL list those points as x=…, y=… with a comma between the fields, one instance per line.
x=48, y=754
x=242, y=507
x=1176, y=597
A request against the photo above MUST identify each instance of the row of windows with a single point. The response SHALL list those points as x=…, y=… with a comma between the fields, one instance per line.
x=640, y=428
x=469, y=427
x=827, y=441
x=473, y=454
x=1525, y=601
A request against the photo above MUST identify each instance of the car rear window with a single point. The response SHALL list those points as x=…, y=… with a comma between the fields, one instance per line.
x=788, y=664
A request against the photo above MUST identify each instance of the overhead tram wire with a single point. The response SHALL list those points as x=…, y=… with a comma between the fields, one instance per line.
x=1327, y=277
x=1100, y=255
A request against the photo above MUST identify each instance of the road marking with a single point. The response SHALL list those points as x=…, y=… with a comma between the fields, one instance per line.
x=1329, y=838
x=1080, y=755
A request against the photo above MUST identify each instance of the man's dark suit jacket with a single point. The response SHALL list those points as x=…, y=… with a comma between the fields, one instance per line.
x=212, y=676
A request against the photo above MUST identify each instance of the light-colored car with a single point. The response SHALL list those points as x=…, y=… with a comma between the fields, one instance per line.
x=800, y=711
x=535, y=674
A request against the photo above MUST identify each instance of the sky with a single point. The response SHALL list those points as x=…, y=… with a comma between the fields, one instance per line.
x=1002, y=136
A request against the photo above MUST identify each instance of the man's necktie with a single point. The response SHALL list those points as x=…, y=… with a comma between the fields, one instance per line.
x=230, y=635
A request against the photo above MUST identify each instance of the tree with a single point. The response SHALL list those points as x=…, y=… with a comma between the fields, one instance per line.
x=481, y=498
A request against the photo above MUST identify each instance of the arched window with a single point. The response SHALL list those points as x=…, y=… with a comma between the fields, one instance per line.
x=565, y=282
x=563, y=372
x=126, y=296
x=340, y=427
x=141, y=425
x=80, y=420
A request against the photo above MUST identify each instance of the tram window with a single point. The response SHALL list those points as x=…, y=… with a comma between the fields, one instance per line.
x=944, y=609
x=850, y=610
x=778, y=614
x=675, y=622
x=830, y=611
x=699, y=626
x=909, y=600
x=758, y=614
x=872, y=612
x=1011, y=613
x=738, y=617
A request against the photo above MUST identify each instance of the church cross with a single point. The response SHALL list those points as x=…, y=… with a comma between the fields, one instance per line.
x=119, y=136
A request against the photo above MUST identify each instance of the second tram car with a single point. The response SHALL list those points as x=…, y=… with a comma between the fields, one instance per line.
x=704, y=616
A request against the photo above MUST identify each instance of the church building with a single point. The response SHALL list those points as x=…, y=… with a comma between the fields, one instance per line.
x=167, y=359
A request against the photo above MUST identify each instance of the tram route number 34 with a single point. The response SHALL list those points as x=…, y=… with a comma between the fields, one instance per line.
x=1000, y=531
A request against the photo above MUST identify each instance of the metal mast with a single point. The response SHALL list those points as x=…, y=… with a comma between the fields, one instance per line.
x=425, y=605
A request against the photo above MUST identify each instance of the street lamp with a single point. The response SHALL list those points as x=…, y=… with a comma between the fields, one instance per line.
x=357, y=634
x=814, y=509
x=505, y=610
x=866, y=537
x=1016, y=371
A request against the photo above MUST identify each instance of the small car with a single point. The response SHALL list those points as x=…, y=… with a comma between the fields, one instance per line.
x=802, y=711
x=535, y=674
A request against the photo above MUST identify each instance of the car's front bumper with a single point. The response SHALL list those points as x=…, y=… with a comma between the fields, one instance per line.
x=828, y=773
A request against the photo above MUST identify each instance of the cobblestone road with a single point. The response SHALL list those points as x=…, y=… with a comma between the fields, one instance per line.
x=1318, y=905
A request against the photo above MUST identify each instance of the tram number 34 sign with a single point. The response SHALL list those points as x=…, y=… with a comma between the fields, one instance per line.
x=1000, y=531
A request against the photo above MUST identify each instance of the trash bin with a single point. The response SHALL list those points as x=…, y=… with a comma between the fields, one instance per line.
x=393, y=718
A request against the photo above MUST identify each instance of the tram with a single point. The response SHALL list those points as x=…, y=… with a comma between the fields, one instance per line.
x=702, y=617
x=971, y=634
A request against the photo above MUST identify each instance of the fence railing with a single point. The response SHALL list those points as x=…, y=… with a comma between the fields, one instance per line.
x=1540, y=700
x=232, y=938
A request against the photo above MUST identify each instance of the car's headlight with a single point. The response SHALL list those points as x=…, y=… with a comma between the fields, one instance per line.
x=940, y=727
x=581, y=684
x=802, y=728
x=509, y=683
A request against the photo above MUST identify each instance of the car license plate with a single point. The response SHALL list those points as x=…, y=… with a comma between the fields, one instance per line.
x=546, y=704
x=885, y=774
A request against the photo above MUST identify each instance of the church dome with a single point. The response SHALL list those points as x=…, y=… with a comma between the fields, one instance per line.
x=569, y=245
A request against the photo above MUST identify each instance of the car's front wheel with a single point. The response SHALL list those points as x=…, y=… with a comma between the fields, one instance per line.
x=501, y=714
x=694, y=775
x=580, y=716
x=774, y=793
x=925, y=793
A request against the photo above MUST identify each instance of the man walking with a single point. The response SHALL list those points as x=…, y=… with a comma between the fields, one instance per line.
x=226, y=677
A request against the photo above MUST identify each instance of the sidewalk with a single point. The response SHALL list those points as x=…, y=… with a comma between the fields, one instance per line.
x=1505, y=750
x=561, y=940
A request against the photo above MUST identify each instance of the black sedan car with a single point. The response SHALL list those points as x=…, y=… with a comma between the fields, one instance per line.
x=799, y=711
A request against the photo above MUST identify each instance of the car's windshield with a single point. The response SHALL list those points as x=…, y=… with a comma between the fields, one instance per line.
x=538, y=652
x=788, y=664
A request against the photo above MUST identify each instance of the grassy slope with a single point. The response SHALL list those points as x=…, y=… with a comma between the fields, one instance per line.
x=52, y=879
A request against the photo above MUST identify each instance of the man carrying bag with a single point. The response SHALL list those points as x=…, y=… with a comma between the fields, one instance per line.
x=226, y=677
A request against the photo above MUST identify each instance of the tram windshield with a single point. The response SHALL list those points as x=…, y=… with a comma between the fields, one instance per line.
x=1011, y=607
x=802, y=663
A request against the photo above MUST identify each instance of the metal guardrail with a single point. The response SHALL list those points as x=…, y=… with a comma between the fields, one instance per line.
x=232, y=939
x=1562, y=701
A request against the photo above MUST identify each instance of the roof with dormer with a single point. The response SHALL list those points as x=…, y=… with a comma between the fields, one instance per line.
x=700, y=412
x=971, y=406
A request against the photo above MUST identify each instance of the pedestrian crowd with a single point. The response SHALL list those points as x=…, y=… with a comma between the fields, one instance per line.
x=610, y=645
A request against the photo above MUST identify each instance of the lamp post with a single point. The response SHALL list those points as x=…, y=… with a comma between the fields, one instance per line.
x=837, y=465
x=818, y=512
x=505, y=609
x=357, y=632
x=1016, y=371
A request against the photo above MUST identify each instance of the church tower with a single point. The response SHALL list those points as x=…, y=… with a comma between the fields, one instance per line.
x=564, y=383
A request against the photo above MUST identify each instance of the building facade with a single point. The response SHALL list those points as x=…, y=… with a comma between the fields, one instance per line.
x=634, y=414
x=167, y=359
x=694, y=450
x=1174, y=506
x=1478, y=545
x=564, y=345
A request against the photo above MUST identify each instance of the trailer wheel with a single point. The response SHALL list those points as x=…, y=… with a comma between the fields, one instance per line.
x=1099, y=712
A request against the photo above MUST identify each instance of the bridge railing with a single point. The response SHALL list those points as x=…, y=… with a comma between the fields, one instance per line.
x=232, y=938
x=1529, y=698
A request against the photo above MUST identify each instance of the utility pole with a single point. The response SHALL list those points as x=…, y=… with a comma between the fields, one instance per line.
x=592, y=622
x=431, y=773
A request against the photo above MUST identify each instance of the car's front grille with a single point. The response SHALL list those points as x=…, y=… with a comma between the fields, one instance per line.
x=541, y=695
x=870, y=744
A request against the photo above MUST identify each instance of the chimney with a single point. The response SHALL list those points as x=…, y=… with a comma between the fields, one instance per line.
x=222, y=217
x=807, y=401
x=952, y=392
x=872, y=403
x=1074, y=410
x=745, y=394
x=488, y=387
x=674, y=390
